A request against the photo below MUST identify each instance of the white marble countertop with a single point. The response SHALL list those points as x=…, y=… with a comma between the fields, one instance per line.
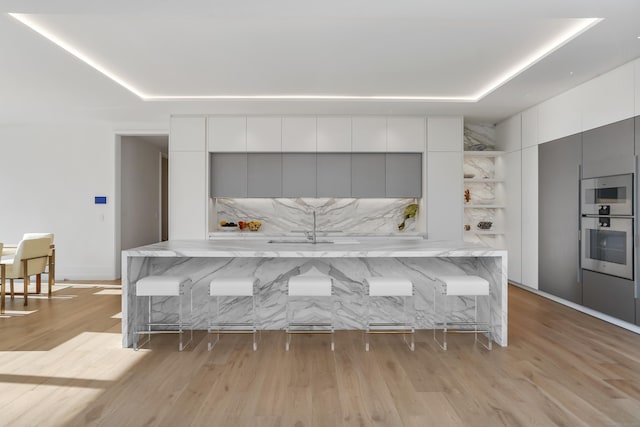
x=342, y=247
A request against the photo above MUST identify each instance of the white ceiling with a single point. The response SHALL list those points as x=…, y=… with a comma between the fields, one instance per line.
x=277, y=48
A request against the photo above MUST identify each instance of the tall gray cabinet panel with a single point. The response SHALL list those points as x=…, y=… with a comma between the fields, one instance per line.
x=264, y=177
x=609, y=294
x=228, y=175
x=403, y=175
x=298, y=175
x=608, y=150
x=333, y=175
x=368, y=176
x=558, y=218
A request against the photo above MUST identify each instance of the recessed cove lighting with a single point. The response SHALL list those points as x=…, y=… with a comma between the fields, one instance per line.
x=578, y=27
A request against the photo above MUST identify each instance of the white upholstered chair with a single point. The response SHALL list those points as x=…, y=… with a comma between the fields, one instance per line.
x=10, y=250
x=31, y=258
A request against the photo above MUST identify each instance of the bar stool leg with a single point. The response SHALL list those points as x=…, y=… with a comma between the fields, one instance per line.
x=333, y=312
x=489, y=324
x=409, y=321
x=254, y=320
x=367, y=331
x=287, y=343
x=437, y=322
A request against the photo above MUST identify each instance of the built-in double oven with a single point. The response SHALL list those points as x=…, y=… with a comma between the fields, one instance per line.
x=607, y=225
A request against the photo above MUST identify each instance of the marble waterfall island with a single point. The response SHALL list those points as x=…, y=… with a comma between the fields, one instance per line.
x=347, y=261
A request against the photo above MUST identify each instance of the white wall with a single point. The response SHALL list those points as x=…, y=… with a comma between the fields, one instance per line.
x=140, y=192
x=50, y=175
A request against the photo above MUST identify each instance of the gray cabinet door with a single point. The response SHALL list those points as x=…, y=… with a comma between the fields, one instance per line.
x=608, y=150
x=558, y=218
x=298, y=175
x=333, y=174
x=368, y=176
x=264, y=177
x=228, y=172
x=610, y=295
x=404, y=175
x=637, y=129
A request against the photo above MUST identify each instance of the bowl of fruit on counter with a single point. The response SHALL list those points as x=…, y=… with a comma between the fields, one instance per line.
x=228, y=226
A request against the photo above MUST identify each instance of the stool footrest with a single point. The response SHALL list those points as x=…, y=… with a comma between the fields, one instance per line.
x=227, y=331
x=392, y=331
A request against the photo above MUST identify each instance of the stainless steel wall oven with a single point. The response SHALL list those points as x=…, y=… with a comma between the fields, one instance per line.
x=607, y=225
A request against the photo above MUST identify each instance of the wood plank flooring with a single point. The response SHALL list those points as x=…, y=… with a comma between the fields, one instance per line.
x=61, y=364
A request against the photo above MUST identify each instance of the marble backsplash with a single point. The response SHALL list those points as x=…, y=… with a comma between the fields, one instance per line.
x=347, y=215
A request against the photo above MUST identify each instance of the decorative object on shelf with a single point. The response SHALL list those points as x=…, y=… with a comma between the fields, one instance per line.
x=467, y=195
x=469, y=175
x=409, y=212
x=467, y=227
x=228, y=226
x=485, y=225
x=254, y=225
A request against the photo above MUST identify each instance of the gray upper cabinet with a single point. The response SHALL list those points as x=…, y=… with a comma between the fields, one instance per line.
x=298, y=175
x=264, y=175
x=333, y=175
x=228, y=175
x=558, y=216
x=403, y=175
x=608, y=150
x=368, y=176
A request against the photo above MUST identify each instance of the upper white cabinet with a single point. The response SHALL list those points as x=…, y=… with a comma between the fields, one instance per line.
x=508, y=134
x=445, y=133
x=227, y=134
x=637, y=86
x=406, y=134
x=264, y=134
x=369, y=134
x=530, y=128
x=187, y=134
x=334, y=134
x=608, y=98
x=299, y=134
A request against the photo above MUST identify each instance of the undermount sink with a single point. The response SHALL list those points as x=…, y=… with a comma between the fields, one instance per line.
x=318, y=242
x=299, y=241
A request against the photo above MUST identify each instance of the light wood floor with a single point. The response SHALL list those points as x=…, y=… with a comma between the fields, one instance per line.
x=61, y=364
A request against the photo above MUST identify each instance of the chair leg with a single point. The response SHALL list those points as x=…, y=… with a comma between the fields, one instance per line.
x=52, y=270
x=11, y=284
x=38, y=283
x=27, y=282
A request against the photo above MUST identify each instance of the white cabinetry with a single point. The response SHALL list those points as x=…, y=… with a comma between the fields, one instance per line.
x=406, y=134
x=484, y=196
x=444, y=192
x=530, y=128
x=513, y=214
x=299, y=134
x=187, y=134
x=187, y=194
x=369, y=134
x=445, y=133
x=334, y=134
x=227, y=134
x=187, y=178
x=264, y=134
x=530, y=217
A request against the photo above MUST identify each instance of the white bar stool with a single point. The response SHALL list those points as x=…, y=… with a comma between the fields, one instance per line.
x=386, y=287
x=163, y=286
x=460, y=287
x=235, y=288
x=309, y=287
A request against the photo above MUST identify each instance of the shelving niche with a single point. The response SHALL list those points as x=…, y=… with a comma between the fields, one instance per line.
x=484, y=181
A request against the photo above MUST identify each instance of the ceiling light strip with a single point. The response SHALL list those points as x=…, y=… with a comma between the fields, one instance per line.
x=581, y=26
x=75, y=52
x=572, y=32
